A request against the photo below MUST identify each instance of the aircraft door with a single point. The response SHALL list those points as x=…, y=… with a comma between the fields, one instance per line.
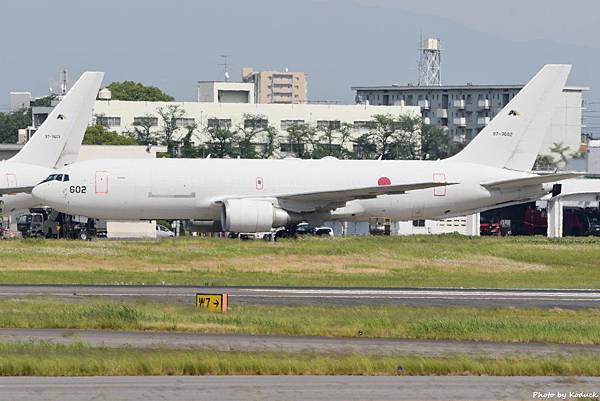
x=101, y=183
x=11, y=180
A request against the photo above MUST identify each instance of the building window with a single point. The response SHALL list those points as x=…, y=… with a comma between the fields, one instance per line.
x=292, y=148
x=224, y=123
x=364, y=124
x=152, y=121
x=108, y=121
x=329, y=124
x=285, y=124
x=256, y=123
x=418, y=223
x=184, y=122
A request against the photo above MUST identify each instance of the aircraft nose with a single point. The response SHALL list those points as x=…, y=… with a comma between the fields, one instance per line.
x=39, y=192
x=45, y=194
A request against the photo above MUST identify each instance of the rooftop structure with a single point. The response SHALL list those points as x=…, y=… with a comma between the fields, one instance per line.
x=277, y=86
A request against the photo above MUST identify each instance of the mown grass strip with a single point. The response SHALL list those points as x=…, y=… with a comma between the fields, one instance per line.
x=41, y=359
x=385, y=321
x=445, y=260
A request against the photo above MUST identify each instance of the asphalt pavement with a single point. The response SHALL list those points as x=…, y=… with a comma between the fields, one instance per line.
x=485, y=297
x=291, y=388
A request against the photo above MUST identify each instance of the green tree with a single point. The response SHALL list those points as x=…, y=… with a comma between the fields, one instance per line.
x=188, y=149
x=395, y=137
x=135, y=91
x=364, y=148
x=170, y=116
x=255, y=128
x=545, y=163
x=45, y=101
x=143, y=130
x=99, y=135
x=435, y=143
x=221, y=142
x=332, y=140
x=299, y=135
x=561, y=150
x=10, y=123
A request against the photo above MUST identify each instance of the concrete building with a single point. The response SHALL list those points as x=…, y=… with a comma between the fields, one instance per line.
x=277, y=86
x=465, y=109
x=225, y=92
x=120, y=116
x=20, y=100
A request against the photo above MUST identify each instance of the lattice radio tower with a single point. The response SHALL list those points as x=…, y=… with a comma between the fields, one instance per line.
x=430, y=70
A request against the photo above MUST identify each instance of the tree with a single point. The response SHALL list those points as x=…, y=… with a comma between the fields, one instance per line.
x=561, y=150
x=188, y=149
x=298, y=136
x=99, y=135
x=170, y=116
x=545, y=163
x=10, y=123
x=395, y=137
x=332, y=140
x=435, y=143
x=364, y=148
x=135, y=91
x=45, y=101
x=255, y=127
x=143, y=130
x=221, y=142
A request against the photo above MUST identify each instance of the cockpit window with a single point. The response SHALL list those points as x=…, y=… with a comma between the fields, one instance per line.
x=56, y=177
x=51, y=177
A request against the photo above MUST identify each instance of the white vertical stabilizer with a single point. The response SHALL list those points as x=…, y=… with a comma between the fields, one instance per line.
x=58, y=140
x=513, y=138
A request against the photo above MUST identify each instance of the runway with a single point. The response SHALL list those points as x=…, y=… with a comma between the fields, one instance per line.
x=335, y=296
x=243, y=342
x=317, y=388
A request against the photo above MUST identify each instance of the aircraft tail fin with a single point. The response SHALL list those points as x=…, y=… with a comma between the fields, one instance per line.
x=513, y=138
x=58, y=140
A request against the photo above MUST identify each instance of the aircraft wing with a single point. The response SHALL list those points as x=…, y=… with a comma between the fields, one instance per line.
x=529, y=181
x=15, y=190
x=327, y=200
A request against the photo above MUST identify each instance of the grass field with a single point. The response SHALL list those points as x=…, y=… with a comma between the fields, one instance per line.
x=39, y=359
x=446, y=261
x=497, y=324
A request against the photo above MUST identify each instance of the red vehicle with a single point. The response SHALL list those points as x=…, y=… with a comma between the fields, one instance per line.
x=490, y=226
x=535, y=221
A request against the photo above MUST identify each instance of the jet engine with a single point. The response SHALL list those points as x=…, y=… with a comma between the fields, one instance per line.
x=251, y=215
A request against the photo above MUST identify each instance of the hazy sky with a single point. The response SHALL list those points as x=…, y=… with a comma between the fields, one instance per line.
x=338, y=43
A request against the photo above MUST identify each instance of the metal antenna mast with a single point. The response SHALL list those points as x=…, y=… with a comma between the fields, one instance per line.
x=64, y=81
x=225, y=66
x=430, y=70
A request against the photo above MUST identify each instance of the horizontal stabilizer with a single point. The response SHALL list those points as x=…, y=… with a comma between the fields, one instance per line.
x=529, y=181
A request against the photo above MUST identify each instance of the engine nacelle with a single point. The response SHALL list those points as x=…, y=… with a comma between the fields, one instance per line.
x=203, y=226
x=251, y=216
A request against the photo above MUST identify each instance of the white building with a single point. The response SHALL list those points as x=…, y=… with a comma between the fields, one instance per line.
x=121, y=116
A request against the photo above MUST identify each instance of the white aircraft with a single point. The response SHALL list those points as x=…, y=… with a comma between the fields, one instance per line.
x=55, y=144
x=255, y=195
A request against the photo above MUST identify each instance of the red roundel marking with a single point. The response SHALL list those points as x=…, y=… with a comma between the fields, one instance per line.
x=384, y=181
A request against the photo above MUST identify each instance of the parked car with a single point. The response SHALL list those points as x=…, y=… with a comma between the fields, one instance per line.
x=163, y=232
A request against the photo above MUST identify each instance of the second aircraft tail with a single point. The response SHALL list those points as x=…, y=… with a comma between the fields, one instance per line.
x=513, y=138
x=58, y=140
